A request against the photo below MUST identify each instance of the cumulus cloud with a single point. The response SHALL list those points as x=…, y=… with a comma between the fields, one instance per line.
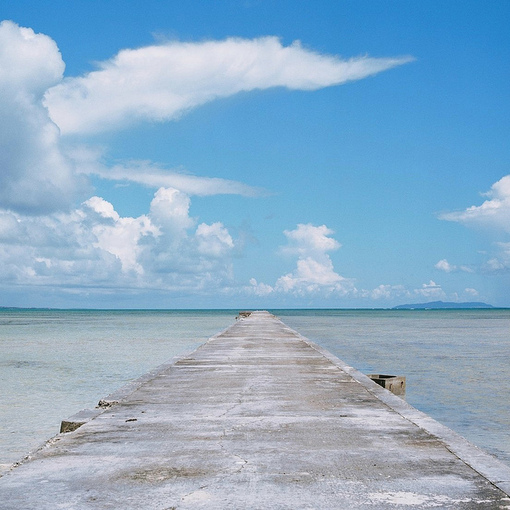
x=30, y=62
x=386, y=292
x=94, y=247
x=431, y=290
x=444, y=265
x=47, y=239
x=119, y=236
x=193, y=256
x=259, y=289
x=315, y=275
x=170, y=209
x=214, y=240
x=310, y=276
x=36, y=177
x=500, y=263
x=161, y=82
x=308, y=240
x=314, y=272
x=494, y=213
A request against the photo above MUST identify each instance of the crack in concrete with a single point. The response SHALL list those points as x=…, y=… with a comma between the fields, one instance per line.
x=231, y=408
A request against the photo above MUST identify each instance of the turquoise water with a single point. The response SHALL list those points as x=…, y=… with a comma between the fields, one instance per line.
x=54, y=363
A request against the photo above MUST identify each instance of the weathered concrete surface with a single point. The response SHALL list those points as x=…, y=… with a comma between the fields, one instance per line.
x=257, y=418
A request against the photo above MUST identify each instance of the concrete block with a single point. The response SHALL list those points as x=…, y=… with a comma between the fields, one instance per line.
x=394, y=383
x=77, y=420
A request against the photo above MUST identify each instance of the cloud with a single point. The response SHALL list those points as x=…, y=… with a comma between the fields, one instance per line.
x=36, y=177
x=501, y=262
x=30, y=62
x=170, y=209
x=182, y=255
x=444, y=265
x=314, y=272
x=311, y=275
x=42, y=174
x=307, y=240
x=94, y=247
x=431, y=290
x=386, y=292
x=494, y=213
x=162, y=82
x=119, y=236
x=259, y=289
x=88, y=162
x=48, y=238
x=213, y=240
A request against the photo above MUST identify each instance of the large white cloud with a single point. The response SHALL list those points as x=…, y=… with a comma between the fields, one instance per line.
x=120, y=236
x=94, y=247
x=30, y=62
x=161, y=82
x=158, y=82
x=45, y=240
x=35, y=176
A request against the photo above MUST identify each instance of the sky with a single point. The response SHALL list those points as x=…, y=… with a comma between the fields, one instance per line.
x=254, y=154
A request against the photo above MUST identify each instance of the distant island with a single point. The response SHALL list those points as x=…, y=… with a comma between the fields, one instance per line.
x=440, y=305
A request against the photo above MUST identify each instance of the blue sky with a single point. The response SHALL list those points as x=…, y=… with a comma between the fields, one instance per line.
x=254, y=154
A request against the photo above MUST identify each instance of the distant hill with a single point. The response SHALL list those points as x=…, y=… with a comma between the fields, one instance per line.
x=440, y=305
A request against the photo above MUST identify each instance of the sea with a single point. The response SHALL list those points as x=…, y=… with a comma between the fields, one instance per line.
x=53, y=363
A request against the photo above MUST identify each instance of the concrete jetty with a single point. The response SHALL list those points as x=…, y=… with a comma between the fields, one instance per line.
x=256, y=418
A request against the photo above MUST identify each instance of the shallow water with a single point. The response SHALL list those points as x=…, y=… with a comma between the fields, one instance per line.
x=54, y=363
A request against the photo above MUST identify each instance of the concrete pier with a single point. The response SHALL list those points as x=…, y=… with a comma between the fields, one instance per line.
x=257, y=418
